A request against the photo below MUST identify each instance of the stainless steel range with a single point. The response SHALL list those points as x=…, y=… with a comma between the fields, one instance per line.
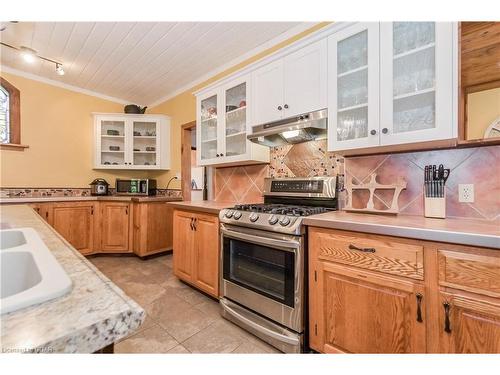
x=263, y=259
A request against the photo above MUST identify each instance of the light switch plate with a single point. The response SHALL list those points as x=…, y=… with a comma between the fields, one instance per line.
x=466, y=193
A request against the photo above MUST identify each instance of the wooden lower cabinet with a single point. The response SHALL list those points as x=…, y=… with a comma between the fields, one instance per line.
x=115, y=227
x=76, y=222
x=93, y=227
x=153, y=228
x=363, y=312
x=196, y=250
x=184, y=245
x=468, y=324
x=358, y=305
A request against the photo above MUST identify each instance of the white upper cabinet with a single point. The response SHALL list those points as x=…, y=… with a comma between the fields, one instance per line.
x=417, y=92
x=305, y=84
x=353, y=80
x=292, y=85
x=390, y=83
x=268, y=93
x=222, y=124
x=124, y=141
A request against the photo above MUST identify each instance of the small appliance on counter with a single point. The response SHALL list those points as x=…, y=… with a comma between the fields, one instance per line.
x=99, y=187
x=136, y=186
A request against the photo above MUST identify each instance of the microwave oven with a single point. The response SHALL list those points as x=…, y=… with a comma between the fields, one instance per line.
x=136, y=186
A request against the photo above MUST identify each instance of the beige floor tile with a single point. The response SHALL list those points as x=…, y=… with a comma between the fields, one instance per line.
x=192, y=296
x=184, y=324
x=143, y=294
x=217, y=338
x=168, y=306
x=210, y=307
x=179, y=349
x=151, y=340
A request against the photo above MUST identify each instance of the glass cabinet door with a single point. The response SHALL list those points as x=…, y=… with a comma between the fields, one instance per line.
x=235, y=120
x=112, y=142
x=353, y=80
x=415, y=68
x=208, y=128
x=144, y=143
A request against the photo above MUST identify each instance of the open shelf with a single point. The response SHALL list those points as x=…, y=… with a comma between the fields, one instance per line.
x=144, y=152
x=112, y=136
x=145, y=136
x=236, y=134
x=209, y=140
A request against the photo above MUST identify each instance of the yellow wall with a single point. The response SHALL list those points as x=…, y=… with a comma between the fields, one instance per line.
x=182, y=108
x=57, y=125
x=483, y=108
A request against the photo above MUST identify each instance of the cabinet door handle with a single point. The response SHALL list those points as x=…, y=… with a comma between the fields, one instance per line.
x=420, y=297
x=385, y=130
x=363, y=249
x=191, y=224
x=126, y=210
x=373, y=132
x=285, y=106
x=194, y=223
x=280, y=108
x=91, y=210
x=447, y=325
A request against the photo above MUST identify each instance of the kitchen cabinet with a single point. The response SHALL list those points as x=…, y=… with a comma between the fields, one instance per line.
x=153, y=227
x=115, y=227
x=468, y=325
x=222, y=125
x=292, y=85
x=41, y=209
x=76, y=222
x=365, y=298
x=196, y=250
x=391, y=84
x=361, y=311
x=124, y=141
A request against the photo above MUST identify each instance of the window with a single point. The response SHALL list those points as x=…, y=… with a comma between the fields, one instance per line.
x=4, y=116
x=10, y=117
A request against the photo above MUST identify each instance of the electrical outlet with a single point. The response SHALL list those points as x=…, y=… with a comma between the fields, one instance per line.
x=466, y=193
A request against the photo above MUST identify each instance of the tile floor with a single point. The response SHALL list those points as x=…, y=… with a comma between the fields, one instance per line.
x=179, y=318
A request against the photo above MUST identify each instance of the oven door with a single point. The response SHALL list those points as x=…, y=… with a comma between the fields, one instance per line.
x=264, y=271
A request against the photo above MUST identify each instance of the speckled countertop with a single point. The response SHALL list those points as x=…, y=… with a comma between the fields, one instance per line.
x=119, y=198
x=451, y=230
x=93, y=315
x=210, y=207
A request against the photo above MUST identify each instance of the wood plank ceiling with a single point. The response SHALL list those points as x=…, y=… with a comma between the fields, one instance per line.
x=139, y=62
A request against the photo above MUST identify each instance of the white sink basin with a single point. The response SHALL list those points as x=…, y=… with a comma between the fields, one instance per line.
x=29, y=272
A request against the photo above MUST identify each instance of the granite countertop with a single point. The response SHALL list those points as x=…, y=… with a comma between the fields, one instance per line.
x=119, y=198
x=451, y=230
x=93, y=315
x=211, y=207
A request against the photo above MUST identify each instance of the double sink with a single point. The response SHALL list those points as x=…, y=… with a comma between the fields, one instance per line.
x=29, y=272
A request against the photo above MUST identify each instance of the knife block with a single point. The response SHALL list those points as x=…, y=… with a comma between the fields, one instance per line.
x=435, y=207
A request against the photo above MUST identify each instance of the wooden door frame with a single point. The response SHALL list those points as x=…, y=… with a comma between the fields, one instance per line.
x=186, y=159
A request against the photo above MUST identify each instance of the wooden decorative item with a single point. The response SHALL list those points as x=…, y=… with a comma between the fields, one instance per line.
x=372, y=186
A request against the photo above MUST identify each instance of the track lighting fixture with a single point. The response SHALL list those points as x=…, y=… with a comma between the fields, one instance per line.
x=30, y=56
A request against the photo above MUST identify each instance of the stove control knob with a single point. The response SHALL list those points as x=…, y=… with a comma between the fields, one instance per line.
x=229, y=214
x=253, y=217
x=237, y=215
x=285, y=221
x=273, y=219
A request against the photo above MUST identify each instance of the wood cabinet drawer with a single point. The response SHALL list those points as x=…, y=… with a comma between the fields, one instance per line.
x=475, y=271
x=378, y=253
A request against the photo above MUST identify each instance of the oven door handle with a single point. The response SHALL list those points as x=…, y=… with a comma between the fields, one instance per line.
x=259, y=328
x=273, y=242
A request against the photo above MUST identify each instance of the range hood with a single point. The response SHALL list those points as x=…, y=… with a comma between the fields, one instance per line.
x=296, y=129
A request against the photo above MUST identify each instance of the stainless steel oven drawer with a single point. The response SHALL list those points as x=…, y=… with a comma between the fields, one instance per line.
x=281, y=338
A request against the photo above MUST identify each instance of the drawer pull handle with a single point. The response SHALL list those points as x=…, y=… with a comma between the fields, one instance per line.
x=419, y=307
x=191, y=224
x=363, y=249
x=447, y=325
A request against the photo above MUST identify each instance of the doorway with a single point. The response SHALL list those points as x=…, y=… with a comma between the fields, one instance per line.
x=193, y=178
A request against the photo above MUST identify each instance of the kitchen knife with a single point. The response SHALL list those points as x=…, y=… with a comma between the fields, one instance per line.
x=426, y=180
x=434, y=179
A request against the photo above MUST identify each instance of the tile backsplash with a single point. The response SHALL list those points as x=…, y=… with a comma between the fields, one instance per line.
x=478, y=166
x=67, y=192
